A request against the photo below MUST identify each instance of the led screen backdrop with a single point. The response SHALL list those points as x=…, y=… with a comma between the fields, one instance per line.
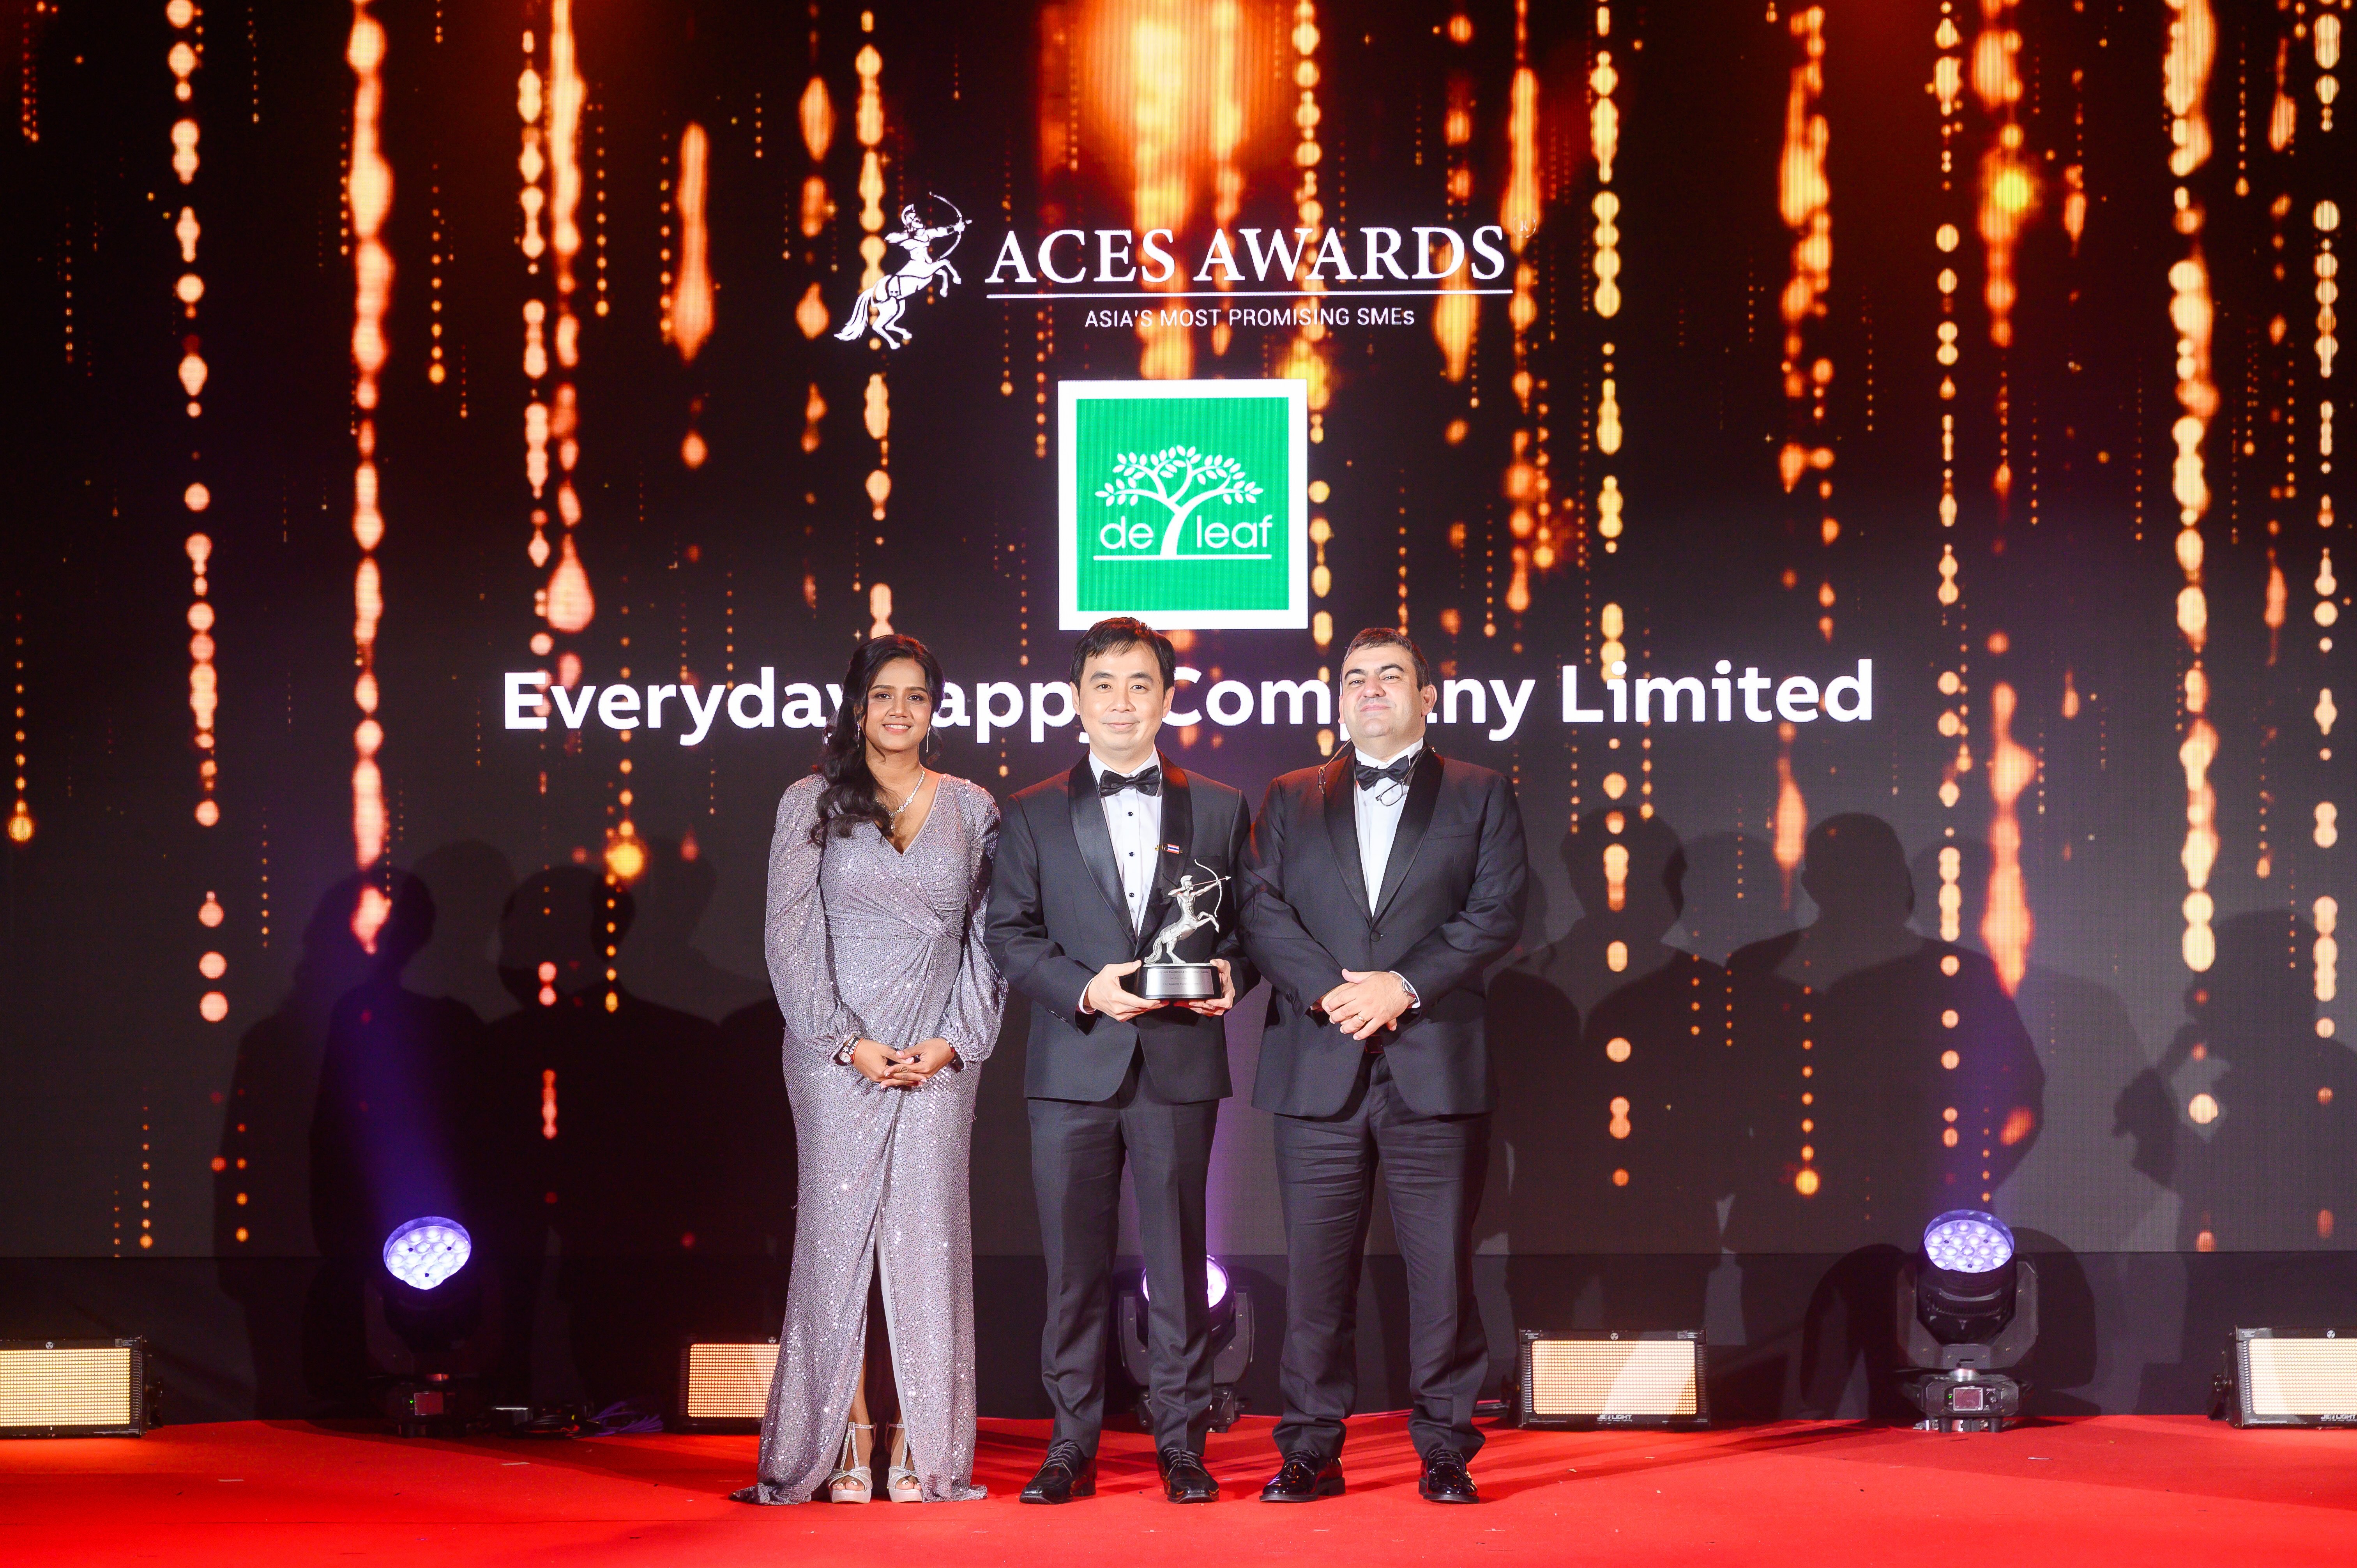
x=1865, y=472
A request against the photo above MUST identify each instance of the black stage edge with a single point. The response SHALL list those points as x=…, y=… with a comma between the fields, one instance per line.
x=1790, y=1334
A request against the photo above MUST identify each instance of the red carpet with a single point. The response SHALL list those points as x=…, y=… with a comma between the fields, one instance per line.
x=2124, y=1491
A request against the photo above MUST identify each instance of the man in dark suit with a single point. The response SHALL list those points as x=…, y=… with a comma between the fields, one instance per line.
x=1086, y=864
x=1381, y=889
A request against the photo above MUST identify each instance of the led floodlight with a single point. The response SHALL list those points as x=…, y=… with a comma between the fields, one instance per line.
x=2287, y=1376
x=74, y=1388
x=1605, y=1380
x=724, y=1387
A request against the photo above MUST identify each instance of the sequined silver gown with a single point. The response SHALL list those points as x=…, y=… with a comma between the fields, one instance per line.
x=864, y=939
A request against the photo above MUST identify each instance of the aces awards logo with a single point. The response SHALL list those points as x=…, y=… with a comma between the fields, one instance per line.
x=878, y=308
x=1184, y=503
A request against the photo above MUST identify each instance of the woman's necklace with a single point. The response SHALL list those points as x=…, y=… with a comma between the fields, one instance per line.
x=914, y=790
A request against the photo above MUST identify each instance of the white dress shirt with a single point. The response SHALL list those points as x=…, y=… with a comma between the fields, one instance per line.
x=1378, y=817
x=1135, y=821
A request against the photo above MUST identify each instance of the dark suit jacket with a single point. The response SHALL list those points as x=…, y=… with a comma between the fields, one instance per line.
x=1451, y=906
x=1057, y=916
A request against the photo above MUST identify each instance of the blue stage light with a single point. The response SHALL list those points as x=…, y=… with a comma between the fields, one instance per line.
x=1967, y=1309
x=424, y=1252
x=1230, y=1322
x=1215, y=1282
x=1966, y=1241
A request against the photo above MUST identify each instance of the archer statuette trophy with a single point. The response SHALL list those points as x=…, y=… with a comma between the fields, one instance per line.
x=1166, y=977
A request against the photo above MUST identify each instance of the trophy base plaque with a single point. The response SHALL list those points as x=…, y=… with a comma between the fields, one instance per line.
x=1178, y=981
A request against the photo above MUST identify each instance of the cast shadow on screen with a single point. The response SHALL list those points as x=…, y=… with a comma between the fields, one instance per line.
x=625, y=1168
x=1734, y=893
x=469, y=882
x=666, y=966
x=1847, y=1352
x=1885, y=1078
x=2081, y=1180
x=1882, y=1078
x=647, y=1149
x=1615, y=1080
x=379, y=1103
x=262, y=1182
x=2277, y=1171
x=2247, y=1117
x=2277, y=1168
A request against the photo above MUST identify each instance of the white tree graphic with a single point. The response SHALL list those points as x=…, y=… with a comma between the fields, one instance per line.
x=1171, y=478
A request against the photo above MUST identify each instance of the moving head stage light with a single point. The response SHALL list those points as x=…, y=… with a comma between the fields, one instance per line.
x=1967, y=1308
x=1230, y=1325
x=430, y=1321
x=424, y=1252
x=2287, y=1376
x=1584, y=1382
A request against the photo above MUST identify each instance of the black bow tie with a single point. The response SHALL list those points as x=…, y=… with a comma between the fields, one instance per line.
x=1145, y=781
x=1369, y=776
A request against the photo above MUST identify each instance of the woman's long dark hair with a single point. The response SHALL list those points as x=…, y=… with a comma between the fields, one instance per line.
x=849, y=798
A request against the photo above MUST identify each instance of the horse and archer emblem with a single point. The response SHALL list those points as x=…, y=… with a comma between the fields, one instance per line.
x=879, y=309
x=1185, y=894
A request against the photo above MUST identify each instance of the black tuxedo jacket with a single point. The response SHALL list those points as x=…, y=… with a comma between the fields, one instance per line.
x=1451, y=906
x=1057, y=916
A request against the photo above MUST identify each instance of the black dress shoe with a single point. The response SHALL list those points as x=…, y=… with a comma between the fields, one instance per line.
x=1067, y=1473
x=1444, y=1479
x=1303, y=1478
x=1184, y=1479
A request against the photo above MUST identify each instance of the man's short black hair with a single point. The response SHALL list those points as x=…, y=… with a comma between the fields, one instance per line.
x=1385, y=636
x=1116, y=632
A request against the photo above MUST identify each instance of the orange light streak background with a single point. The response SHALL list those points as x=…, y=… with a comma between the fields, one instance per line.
x=368, y=195
x=1664, y=366
x=2192, y=48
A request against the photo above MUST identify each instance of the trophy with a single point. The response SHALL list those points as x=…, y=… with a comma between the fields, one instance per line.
x=1166, y=977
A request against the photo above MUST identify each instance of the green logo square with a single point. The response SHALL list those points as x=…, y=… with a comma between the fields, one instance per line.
x=1184, y=503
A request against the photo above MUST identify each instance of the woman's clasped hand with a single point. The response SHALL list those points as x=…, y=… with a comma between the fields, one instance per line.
x=899, y=1069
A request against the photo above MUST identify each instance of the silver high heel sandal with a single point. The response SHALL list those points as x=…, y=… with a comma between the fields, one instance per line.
x=900, y=1483
x=850, y=1482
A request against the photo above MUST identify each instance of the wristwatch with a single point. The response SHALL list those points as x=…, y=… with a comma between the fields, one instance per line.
x=1414, y=1001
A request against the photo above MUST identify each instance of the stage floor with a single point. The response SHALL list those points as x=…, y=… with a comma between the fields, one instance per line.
x=2118, y=1488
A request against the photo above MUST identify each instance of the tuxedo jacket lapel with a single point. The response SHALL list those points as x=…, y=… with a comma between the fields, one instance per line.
x=1423, y=790
x=1342, y=824
x=1171, y=860
x=1095, y=839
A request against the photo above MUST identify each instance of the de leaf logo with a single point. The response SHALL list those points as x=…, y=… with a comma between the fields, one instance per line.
x=1184, y=503
x=1179, y=480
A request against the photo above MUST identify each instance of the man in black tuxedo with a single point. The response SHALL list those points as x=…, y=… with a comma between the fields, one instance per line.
x=1381, y=887
x=1086, y=864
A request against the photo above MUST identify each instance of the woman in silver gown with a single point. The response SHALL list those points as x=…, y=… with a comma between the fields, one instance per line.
x=879, y=876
